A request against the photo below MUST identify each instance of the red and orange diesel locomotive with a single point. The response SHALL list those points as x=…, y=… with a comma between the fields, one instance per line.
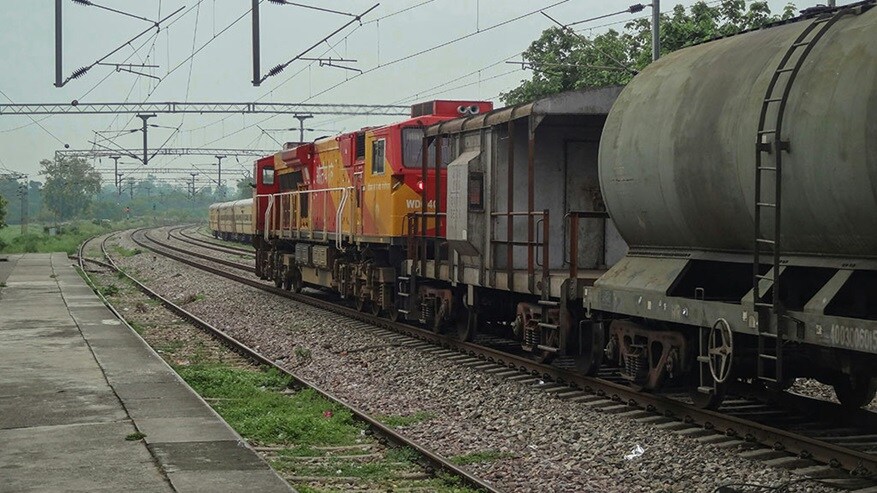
x=334, y=213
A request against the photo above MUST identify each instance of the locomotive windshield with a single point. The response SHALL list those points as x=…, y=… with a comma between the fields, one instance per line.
x=412, y=149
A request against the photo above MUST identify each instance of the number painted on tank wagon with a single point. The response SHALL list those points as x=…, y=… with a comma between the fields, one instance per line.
x=854, y=338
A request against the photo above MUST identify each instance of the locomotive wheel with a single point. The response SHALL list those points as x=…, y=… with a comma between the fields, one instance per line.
x=855, y=391
x=376, y=309
x=439, y=322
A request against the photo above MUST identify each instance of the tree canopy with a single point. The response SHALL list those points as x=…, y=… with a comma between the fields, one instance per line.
x=563, y=61
x=245, y=188
x=71, y=184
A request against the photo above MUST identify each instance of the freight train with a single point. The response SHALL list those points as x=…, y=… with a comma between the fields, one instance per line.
x=713, y=221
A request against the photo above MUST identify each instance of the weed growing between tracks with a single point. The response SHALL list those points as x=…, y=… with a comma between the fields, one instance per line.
x=314, y=444
x=255, y=403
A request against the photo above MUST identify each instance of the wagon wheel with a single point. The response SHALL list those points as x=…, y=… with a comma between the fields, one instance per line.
x=543, y=356
x=855, y=391
x=465, y=317
x=361, y=304
x=721, y=350
x=707, y=401
x=392, y=313
x=438, y=322
x=296, y=282
x=592, y=344
x=465, y=323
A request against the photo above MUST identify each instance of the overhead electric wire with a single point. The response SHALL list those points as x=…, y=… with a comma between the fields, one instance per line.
x=404, y=58
x=436, y=47
x=307, y=66
x=82, y=70
x=36, y=122
x=402, y=11
x=585, y=39
x=195, y=7
x=279, y=68
x=89, y=3
x=321, y=9
x=633, y=9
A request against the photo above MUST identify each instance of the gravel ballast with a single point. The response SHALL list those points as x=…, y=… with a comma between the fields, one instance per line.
x=534, y=441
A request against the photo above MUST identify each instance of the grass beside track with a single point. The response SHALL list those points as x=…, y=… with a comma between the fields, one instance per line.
x=67, y=240
x=317, y=446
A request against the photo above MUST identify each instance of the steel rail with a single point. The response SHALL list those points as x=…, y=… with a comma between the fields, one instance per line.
x=433, y=459
x=211, y=245
x=859, y=463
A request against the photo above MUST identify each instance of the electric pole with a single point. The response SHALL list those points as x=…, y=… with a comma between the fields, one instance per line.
x=59, y=78
x=301, y=131
x=219, y=176
x=116, y=175
x=22, y=193
x=656, y=29
x=193, y=186
x=257, y=71
x=145, y=117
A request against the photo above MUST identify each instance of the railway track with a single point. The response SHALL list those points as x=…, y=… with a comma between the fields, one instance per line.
x=813, y=437
x=432, y=462
x=182, y=235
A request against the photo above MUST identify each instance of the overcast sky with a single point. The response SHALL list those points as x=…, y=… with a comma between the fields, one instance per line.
x=472, y=68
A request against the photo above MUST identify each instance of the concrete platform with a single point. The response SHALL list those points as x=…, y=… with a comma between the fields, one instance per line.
x=75, y=381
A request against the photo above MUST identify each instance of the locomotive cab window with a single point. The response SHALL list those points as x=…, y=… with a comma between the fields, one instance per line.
x=360, y=146
x=378, y=157
x=267, y=176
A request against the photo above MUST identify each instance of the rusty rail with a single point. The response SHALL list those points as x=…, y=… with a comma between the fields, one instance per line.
x=859, y=462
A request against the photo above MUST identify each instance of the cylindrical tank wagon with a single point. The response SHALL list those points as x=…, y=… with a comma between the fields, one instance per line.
x=743, y=174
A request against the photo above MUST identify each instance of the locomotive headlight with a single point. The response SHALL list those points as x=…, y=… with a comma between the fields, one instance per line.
x=420, y=186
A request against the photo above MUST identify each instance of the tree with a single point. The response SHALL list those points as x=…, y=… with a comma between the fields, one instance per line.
x=562, y=61
x=2, y=212
x=245, y=188
x=71, y=183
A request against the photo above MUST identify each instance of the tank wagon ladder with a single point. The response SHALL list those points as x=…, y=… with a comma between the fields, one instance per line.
x=768, y=244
